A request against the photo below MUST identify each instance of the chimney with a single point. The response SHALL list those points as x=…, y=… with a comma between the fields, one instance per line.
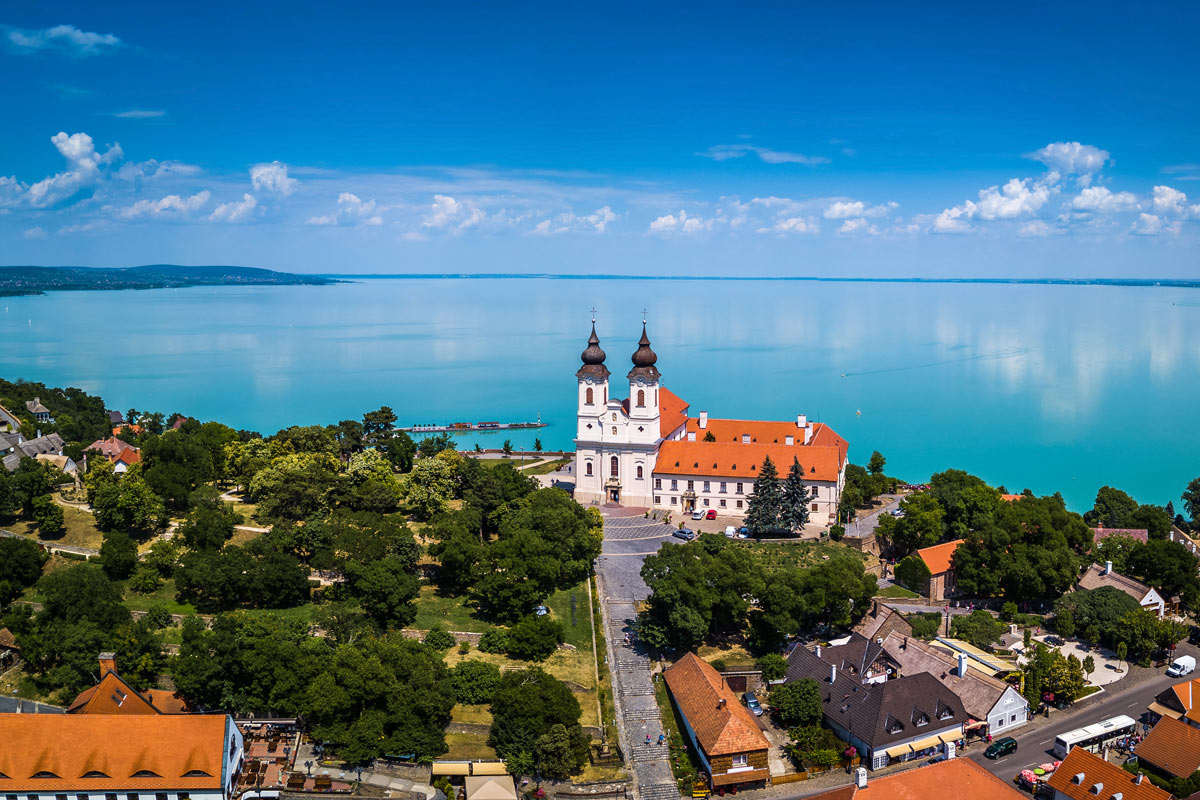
x=962, y=665
x=1107, y=567
x=818, y=651
x=801, y=421
x=703, y=420
x=808, y=432
x=833, y=673
x=1138, y=780
x=721, y=703
x=108, y=663
x=860, y=777
x=691, y=436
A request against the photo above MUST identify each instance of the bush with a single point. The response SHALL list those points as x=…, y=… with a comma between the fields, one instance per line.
x=773, y=666
x=719, y=665
x=157, y=617
x=118, y=555
x=534, y=638
x=1008, y=612
x=925, y=626
x=979, y=628
x=912, y=573
x=837, y=532
x=475, y=681
x=493, y=640
x=797, y=703
x=144, y=581
x=439, y=638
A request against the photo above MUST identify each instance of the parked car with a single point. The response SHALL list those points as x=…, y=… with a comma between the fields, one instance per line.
x=1184, y=665
x=698, y=514
x=712, y=514
x=1194, y=635
x=1000, y=748
x=743, y=533
x=752, y=703
x=897, y=512
x=731, y=532
x=687, y=534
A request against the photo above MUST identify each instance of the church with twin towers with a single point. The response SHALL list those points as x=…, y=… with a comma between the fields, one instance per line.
x=645, y=450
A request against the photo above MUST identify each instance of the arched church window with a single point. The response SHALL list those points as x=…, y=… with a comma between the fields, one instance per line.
x=641, y=398
x=614, y=430
x=589, y=396
x=614, y=466
x=639, y=472
x=587, y=469
x=614, y=417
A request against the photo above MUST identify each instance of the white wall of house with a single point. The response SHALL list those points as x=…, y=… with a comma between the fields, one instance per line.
x=729, y=495
x=1154, y=602
x=1010, y=712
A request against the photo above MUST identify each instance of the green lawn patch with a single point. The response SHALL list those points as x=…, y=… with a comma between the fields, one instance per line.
x=468, y=747
x=896, y=591
x=570, y=607
x=545, y=469
x=163, y=596
x=81, y=530
x=777, y=556
x=451, y=613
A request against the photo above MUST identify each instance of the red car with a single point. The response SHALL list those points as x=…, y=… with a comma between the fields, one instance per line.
x=712, y=514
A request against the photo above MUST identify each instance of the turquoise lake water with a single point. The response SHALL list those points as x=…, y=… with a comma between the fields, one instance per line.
x=1054, y=388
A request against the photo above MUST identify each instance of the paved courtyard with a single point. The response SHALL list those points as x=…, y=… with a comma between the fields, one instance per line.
x=627, y=541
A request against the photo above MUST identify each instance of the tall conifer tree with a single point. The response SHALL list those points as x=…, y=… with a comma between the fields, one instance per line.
x=766, y=501
x=794, y=515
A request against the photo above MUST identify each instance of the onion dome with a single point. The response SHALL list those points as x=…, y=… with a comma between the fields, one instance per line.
x=593, y=359
x=644, y=360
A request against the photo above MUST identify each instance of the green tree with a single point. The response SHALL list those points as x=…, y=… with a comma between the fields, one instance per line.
x=1112, y=509
x=1169, y=567
x=1064, y=622
x=174, y=465
x=1154, y=519
x=507, y=448
x=128, y=505
x=765, y=503
x=430, y=446
x=378, y=422
x=162, y=557
x=294, y=487
x=439, y=638
x=773, y=666
x=144, y=580
x=475, y=682
x=709, y=436
x=118, y=555
x=795, y=498
x=534, y=638
x=979, y=628
x=48, y=516
x=526, y=704
x=1122, y=651
x=921, y=525
x=561, y=750
x=797, y=703
x=400, y=450
x=1191, y=500
x=20, y=566
x=1089, y=666
x=913, y=573
x=210, y=523
x=430, y=486
x=386, y=588
x=876, y=463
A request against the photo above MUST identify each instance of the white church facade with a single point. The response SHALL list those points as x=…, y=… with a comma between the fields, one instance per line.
x=646, y=451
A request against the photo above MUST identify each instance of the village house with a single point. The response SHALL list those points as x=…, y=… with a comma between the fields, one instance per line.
x=1172, y=747
x=881, y=620
x=1181, y=701
x=1100, y=534
x=1086, y=776
x=888, y=721
x=937, y=560
x=723, y=732
x=646, y=451
x=121, y=455
x=133, y=756
x=956, y=779
x=994, y=706
x=112, y=695
x=8, y=421
x=39, y=411
x=14, y=447
x=1096, y=576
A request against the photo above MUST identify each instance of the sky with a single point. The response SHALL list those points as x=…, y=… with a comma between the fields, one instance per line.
x=879, y=140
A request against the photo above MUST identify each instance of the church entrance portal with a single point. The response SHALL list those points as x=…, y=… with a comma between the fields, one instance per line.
x=614, y=495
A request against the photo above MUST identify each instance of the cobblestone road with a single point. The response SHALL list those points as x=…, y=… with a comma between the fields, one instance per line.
x=627, y=541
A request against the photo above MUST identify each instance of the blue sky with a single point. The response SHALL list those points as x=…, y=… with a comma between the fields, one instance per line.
x=757, y=139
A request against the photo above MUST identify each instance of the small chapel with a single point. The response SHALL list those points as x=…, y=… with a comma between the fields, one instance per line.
x=646, y=451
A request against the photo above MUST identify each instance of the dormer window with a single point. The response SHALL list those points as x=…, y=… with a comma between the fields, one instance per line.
x=45, y=774
x=196, y=773
x=94, y=773
x=893, y=725
x=145, y=773
x=920, y=718
x=944, y=711
x=745, y=438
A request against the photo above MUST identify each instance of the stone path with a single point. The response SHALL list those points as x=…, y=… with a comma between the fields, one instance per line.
x=627, y=540
x=53, y=546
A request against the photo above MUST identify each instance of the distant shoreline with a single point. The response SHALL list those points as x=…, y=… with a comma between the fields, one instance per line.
x=18, y=281
x=1171, y=283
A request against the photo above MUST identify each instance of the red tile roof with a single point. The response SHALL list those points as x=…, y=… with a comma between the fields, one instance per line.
x=116, y=450
x=957, y=779
x=1011, y=498
x=672, y=412
x=1099, y=534
x=720, y=728
x=111, y=695
x=1173, y=746
x=822, y=459
x=938, y=557
x=117, y=746
x=1080, y=771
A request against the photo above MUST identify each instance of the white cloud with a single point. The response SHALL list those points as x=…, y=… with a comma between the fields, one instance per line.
x=857, y=225
x=1018, y=197
x=446, y=213
x=65, y=39
x=36, y=232
x=172, y=205
x=681, y=223
x=234, y=211
x=83, y=169
x=1169, y=201
x=1103, y=201
x=11, y=191
x=596, y=222
x=724, y=152
x=272, y=177
x=351, y=209
x=1071, y=158
x=845, y=209
x=140, y=113
x=153, y=168
x=953, y=220
x=794, y=225
x=1153, y=225
x=1035, y=227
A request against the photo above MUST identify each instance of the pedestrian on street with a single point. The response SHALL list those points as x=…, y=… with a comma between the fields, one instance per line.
x=661, y=739
x=647, y=740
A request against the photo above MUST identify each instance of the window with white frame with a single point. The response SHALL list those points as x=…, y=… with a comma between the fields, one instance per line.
x=741, y=760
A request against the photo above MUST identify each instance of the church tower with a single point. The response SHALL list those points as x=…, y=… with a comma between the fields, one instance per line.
x=644, y=381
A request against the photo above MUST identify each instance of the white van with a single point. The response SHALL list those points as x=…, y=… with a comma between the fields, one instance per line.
x=1183, y=665
x=730, y=531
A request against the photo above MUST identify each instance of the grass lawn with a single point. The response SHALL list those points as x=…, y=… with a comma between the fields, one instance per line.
x=570, y=607
x=451, y=613
x=775, y=556
x=545, y=469
x=896, y=591
x=734, y=655
x=163, y=596
x=304, y=614
x=571, y=666
x=81, y=530
x=467, y=746
x=472, y=714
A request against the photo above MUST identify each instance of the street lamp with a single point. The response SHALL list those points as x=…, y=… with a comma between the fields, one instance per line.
x=308, y=765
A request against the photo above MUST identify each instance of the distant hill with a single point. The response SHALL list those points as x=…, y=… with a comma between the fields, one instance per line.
x=39, y=280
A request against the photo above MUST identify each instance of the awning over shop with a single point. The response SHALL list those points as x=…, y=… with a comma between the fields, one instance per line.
x=928, y=741
x=488, y=768
x=953, y=736
x=898, y=751
x=452, y=768
x=976, y=723
x=1159, y=708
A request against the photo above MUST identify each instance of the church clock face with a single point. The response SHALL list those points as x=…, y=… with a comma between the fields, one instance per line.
x=641, y=381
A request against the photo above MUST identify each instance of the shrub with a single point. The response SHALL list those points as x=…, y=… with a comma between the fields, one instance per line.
x=144, y=581
x=719, y=665
x=157, y=617
x=837, y=532
x=493, y=640
x=475, y=681
x=534, y=638
x=912, y=573
x=439, y=638
x=464, y=647
x=773, y=666
x=1008, y=612
x=925, y=626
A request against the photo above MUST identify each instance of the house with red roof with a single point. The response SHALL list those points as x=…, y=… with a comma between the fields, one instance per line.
x=1083, y=775
x=939, y=561
x=955, y=779
x=723, y=732
x=649, y=451
x=112, y=695
x=121, y=455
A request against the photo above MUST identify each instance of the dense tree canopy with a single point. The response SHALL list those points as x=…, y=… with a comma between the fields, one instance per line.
x=526, y=705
